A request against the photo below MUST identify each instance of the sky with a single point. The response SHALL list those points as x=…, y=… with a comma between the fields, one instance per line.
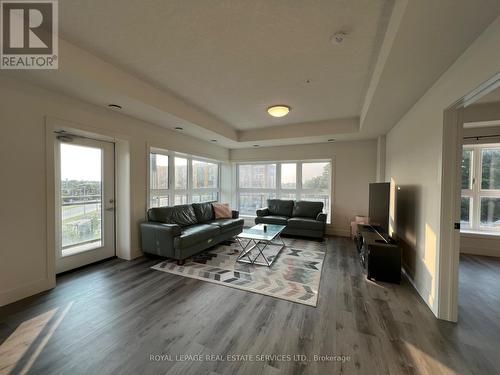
x=80, y=163
x=84, y=163
x=310, y=171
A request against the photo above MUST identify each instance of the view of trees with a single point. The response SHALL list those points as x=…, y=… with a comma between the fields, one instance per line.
x=466, y=168
x=80, y=191
x=318, y=182
x=259, y=182
x=81, y=211
x=490, y=169
x=490, y=180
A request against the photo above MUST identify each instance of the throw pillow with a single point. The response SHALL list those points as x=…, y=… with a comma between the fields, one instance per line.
x=222, y=211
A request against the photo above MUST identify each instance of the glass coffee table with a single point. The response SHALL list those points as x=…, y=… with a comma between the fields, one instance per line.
x=260, y=240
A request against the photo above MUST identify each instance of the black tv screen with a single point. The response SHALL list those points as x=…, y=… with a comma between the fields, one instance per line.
x=379, y=201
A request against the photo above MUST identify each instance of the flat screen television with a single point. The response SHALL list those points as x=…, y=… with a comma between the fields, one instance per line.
x=379, y=203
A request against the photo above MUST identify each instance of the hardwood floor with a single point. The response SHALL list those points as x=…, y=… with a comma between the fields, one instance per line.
x=115, y=317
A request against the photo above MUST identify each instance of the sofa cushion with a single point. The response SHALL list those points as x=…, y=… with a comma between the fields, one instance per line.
x=197, y=233
x=182, y=215
x=307, y=209
x=222, y=211
x=271, y=219
x=305, y=223
x=280, y=207
x=228, y=224
x=204, y=212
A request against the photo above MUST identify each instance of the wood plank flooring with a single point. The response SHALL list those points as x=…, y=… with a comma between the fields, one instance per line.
x=119, y=317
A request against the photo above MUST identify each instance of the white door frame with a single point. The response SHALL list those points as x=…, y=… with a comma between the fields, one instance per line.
x=449, y=256
x=107, y=248
x=124, y=246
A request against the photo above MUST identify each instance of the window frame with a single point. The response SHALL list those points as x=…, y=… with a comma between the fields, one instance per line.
x=279, y=191
x=172, y=191
x=476, y=192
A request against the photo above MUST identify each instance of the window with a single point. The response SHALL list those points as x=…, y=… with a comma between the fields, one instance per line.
x=181, y=173
x=158, y=180
x=480, y=203
x=297, y=180
x=81, y=197
x=179, y=179
x=205, y=175
x=257, y=176
x=316, y=183
x=289, y=175
x=315, y=175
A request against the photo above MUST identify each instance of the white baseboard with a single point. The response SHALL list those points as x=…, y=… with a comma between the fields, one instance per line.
x=133, y=255
x=331, y=231
x=25, y=290
x=489, y=252
x=429, y=302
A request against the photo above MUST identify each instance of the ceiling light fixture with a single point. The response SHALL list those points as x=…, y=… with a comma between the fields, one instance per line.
x=213, y=140
x=178, y=128
x=114, y=106
x=331, y=140
x=338, y=37
x=278, y=110
x=255, y=145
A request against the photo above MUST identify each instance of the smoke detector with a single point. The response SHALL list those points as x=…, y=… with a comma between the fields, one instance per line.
x=338, y=37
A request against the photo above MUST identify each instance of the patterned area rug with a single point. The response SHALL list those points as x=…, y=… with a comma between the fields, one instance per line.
x=294, y=276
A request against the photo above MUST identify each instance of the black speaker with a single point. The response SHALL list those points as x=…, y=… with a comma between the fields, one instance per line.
x=383, y=262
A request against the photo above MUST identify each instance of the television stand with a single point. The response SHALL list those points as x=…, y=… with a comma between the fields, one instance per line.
x=379, y=254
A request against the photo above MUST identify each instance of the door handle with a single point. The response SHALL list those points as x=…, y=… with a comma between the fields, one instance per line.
x=112, y=208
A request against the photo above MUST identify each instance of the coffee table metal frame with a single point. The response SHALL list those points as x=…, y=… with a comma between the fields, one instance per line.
x=260, y=245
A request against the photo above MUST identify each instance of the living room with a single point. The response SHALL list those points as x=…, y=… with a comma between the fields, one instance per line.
x=188, y=118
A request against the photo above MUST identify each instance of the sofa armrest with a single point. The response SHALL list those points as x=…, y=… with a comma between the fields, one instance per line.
x=263, y=212
x=321, y=217
x=167, y=229
x=158, y=238
x=235, y=214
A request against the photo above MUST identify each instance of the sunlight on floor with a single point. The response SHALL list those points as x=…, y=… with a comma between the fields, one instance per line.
x=425, y=360
x=375, y=284
x=20, y=350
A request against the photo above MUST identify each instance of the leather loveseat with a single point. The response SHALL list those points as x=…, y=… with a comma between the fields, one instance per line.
x=302, y=218
x=179, y=232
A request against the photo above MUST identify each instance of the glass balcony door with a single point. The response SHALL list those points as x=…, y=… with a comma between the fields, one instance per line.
x=85, y=202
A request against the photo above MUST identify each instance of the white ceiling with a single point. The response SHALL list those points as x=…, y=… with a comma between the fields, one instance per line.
x=213, y=67
x=235, y=58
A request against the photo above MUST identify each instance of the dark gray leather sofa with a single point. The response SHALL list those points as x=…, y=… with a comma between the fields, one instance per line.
x=302, y=218
x=179, y=232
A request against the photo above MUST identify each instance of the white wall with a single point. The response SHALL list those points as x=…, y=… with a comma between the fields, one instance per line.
x=381, y=149
x=413, y=161
x=480, y=244
x=354, y=167
x=23, y=252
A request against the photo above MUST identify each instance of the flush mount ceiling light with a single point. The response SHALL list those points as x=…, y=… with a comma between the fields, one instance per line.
x=114, y=106
x=178, y=128
x=338, y=37
x=278, y=110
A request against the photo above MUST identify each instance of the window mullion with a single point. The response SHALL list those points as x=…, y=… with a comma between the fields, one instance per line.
x=278, y=180
x=298, y=181
x=477, y=187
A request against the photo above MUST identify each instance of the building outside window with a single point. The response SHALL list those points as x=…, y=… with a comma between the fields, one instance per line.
x=179, y=179
x=296, y=180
